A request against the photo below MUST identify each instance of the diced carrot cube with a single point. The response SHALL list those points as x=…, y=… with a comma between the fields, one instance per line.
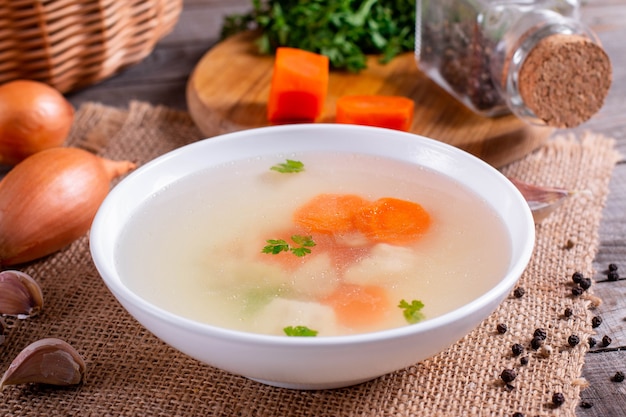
x=299, y=86
x=392, y=112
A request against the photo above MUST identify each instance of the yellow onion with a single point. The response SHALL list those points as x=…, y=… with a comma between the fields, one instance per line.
x=50, y=199
x=33, y=117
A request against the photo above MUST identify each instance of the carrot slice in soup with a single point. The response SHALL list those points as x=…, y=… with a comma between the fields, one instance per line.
x=358, y=306
x=299, y=86
x=392, y=112
x=329, y=213
x=393, y=221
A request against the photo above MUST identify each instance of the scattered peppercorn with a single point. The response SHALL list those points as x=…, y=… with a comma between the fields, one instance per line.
x=618, y=377
x=523, y=360
x=586, y=404
x=540, y=333
x=569, y=244
x=596, y=321
x=576, y=277
x=558, y=399
x=573, y=340
x=591, y=341
x=517, y=349
x=501, y=328
x=508, y=375
x=518, y=414
x=606, y=340
x=568, y=312
x=519, y=292
x=612, y=276
x=536, y=343
x=612, y=267
x=577, y=291
x=585, y=283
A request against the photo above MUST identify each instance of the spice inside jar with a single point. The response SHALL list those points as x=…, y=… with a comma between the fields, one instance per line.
x=531, y=58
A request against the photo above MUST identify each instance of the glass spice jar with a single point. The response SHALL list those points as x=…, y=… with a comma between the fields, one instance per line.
x=534, y=59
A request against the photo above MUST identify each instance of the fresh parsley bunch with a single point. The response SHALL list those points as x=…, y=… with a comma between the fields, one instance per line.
x=343, y=30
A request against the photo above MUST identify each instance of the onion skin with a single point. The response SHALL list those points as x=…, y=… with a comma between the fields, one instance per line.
x=50, y=199
x=33, y=117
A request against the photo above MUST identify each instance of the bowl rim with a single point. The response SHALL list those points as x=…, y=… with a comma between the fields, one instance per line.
x=115, y=284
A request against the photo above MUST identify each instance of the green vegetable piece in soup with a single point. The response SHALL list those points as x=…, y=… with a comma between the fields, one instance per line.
x=412, y=312
x=299, y=331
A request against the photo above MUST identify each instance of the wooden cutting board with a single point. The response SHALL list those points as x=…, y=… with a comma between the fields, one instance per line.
x=230, y=85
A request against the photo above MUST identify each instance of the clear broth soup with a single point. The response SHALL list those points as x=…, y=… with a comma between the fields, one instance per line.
x=196, y=248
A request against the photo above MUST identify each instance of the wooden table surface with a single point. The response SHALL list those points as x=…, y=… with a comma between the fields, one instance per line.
x=161, y=79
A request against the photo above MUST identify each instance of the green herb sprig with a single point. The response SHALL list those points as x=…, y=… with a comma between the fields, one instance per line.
x=412, y=312
x=344, y=30
x=288, y=167
x=299, y=331
x=301, y=247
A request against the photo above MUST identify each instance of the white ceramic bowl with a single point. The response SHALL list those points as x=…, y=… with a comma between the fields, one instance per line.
x=322, y=362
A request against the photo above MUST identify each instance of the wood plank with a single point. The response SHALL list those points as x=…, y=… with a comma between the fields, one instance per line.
x=608, y=397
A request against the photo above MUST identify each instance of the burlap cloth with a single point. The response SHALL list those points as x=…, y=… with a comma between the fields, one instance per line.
x=132, y=373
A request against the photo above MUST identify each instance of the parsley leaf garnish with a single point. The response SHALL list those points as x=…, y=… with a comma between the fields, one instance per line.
x=299, y=331
x=276, y=246
x=288, y=167
x=412, y=312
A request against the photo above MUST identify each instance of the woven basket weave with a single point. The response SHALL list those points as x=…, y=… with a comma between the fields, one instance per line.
x=74, y=43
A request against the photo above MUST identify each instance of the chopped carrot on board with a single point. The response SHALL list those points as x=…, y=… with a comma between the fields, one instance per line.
x=393, y=221
x=299, y=86
x=358, y=305
x=393, y=112
x=329, y=213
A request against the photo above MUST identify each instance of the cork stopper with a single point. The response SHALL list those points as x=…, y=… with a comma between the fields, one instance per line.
x=565, y=79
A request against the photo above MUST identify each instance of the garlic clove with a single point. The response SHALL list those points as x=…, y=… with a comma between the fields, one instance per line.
x=541, y=200
x=47, y=361
x=20, y=295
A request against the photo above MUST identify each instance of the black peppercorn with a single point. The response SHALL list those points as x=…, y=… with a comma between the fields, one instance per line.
x=568, y=312
x=519, y=292
x=577, y=291
x=573, y=340
x=576, y=277
x=596, y=321
x=501, y=328
x=536, y=343
x=517, y=349
x=585, y=283
x=586, y=404
x=523, y=360
x=618, y=377
x=612, y=276
x=612, y=267
x=558, y=399
x=592, y=341
x=508, y=375
x=540, y=333
x=606, y=340
x=518, y=414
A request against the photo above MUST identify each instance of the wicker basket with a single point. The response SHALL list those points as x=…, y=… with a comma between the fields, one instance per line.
x=74, y=43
